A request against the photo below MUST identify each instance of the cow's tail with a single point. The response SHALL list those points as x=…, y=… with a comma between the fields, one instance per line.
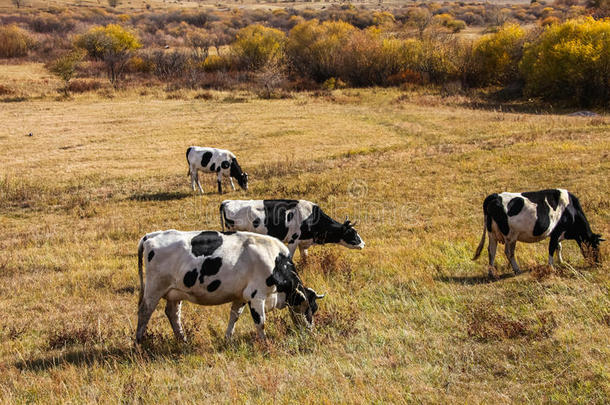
x=140, y=269
x=222, y=216
x=482, y=242
x=187, y=161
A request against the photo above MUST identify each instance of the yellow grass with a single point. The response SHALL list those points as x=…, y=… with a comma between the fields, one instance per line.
x=409, y=319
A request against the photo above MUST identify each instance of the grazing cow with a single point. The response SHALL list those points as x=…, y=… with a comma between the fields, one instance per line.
x=297, y=222
x=219, y=161
x=212, y=268
x=534, y=216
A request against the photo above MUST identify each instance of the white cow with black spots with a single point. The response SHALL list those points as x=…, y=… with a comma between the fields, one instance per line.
x=299, y=223
x=213, y=160
x=534, y=216
x=213, y=268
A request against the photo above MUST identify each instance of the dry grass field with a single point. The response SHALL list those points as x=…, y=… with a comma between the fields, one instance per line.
x=408, y=319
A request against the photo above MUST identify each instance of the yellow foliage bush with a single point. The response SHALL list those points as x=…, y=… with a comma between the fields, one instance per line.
x=14, y=42
x=496, y=56
x=570, y=61
x=257, y=45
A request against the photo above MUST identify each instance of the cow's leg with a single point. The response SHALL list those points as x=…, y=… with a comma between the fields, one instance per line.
x=147, y=307
x=193, y=177
x=257, y=310
x=559, y=258
x=491, y=249
x=303, y=252
x=236, y=309
x=198, y=183
x=509, y=250
x=232, y=185
x=219, y=181
x=554, y=245
x=292, y=247
x=172, y=310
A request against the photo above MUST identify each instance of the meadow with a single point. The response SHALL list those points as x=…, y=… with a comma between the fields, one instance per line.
x=409, y=319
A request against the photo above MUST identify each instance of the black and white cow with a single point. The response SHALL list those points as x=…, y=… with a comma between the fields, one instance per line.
x=213, y=268
x=534, y=216
x=296, y=222
x=219, y=161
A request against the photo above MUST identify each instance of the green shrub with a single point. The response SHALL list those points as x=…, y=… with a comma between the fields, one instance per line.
x=256, y=45
x=14, y=42
x=65, y=66
x=496, y=56
x=570, y=61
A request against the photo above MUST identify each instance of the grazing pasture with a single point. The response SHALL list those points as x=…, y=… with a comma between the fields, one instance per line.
x=410, y=318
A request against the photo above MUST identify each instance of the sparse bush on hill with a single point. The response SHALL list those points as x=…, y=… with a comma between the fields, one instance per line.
x=65, y=66
x=570, y=61
x=111, y=44
x=14, y=42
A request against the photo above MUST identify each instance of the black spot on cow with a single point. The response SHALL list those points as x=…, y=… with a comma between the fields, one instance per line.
x=275, y=216
x=209, y=267
x=190, y=277
x=493, y=210
x=213, y=167
x=144, y=238
x=290, y=216
x=255, y=316
x=541, y=198
x=213, y=286
x=515, y=206
x=205, y=243
x=151, y=255
x=205, y=159
x=286, y=280
x=253, y=293
x=293, y=238
x=256, y=222
x=228, y=233
x=225, y=164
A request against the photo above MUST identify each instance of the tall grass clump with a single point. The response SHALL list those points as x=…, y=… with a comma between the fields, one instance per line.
x=14, y=42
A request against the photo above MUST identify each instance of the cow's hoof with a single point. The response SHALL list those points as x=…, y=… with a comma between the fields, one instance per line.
x=492, y=274
x=517, y=272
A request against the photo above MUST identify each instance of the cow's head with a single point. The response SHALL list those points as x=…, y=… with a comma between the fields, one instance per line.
x=303, y=302
x=239, y=175
x=349, y=236
x=243, y=181
x=292, y=292
x=590, y=247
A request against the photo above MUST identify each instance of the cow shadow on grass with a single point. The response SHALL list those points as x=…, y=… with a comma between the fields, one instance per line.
x=76, y=358
x=476, y=280
x=91, y=356
x=160, y=196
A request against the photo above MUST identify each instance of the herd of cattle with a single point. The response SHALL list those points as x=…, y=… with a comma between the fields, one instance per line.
x=250, y=262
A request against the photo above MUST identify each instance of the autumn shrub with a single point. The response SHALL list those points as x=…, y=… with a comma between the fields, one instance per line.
x=257, y=45
x=496, y=56
x=14, y=42
x=570, y=61
x=313, y=49
x=112, y=44
x=46, y=23
x=84, y=85
x=215, y=63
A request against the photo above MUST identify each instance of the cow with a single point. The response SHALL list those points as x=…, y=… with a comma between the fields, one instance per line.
x=213, y=268
x=219, y=161
x=296, y=222
x=533, y=216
